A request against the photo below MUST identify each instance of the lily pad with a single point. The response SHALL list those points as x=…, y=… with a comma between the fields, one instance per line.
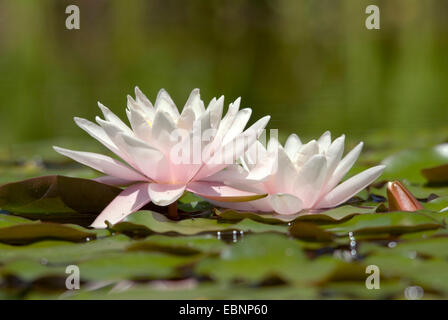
x=148, y=222
x=409, y=163
x=332, y=215
x=278, y=257
x=390, y=222
x=179, y=245
x=29, y=232
x=63, y=252
x=43, y=196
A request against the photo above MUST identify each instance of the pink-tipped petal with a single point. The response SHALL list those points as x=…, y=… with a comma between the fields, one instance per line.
x=103, y=164
x=343, y=167
x=128, y=201
x=310, y=179
x=165, y=194
x=221, y=192
x=350, y=187
x=284, y=203
x=113, y=181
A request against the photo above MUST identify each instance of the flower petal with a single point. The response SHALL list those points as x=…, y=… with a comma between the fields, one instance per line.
x=350, y=187
x=324, y=141
x=238, y=125
x=343, y=167
x=165, y=194
x=310, y=179
x=113, y=181
x=305, y=153
x=292, y=145
x=103, y=164
x=112, y=117
x=221, y=192
x=150, y=161
x=166, y=104
x=215, y=108
x=284, y=203
x=128, y=201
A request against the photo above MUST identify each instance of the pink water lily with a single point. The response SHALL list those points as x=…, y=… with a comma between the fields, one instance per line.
x=150, y=169
x=298, y=176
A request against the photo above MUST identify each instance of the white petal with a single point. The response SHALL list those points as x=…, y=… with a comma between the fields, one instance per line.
x=165, y=194
x=163, y=122
x=305, y=153
x=140, y=125
x=195, y=103
x=128, y=201
x=283, y=173
x=149, y=160
x=143, y=100
x=283, y=203
x=103, y=164
x=98, y=133
x=110, y=116
x=240, y=121
x=350, y=187
x=166, y=104
x=215, y=108
x=324, y=141
x=309, y=181
x=334, y=154
x=292, y=145
x=343, y=167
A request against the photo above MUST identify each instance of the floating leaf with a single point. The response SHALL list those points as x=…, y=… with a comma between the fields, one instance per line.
x=29, y=232
x=309, y=231
x=179, y=245
x=408, y=164
x=148, y=222
x=391, y=222
x=331, y=215
x=133, y=265
x=278, y=257
x=56, y=197
x=63, y=252
x=438, y=174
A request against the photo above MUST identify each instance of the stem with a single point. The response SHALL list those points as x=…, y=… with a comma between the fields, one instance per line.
x=172, y=211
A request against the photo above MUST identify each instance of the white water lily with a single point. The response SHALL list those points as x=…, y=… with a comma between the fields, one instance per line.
x=298, y=176
x=150, y=169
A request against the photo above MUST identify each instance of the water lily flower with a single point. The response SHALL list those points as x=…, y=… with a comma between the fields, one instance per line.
x=151, y=170
x=298, y=176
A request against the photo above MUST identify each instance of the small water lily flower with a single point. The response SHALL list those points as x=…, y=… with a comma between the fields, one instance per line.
x=153, y=170
x=298, y=176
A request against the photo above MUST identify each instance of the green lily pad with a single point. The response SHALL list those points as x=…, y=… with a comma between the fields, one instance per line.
x=148, y=222
x=409, y=163
x=309, y=232
x=63, y=252
x=331, y=215
x=278, y=257
x=179, y=245
x=390, y=222
x=29, y=232
x=133, y=265
x=187, y=292
x=44, y=196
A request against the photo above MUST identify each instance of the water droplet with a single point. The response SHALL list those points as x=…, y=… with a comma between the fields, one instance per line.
x=414, y=293
x=218, y=235
x=88, y=239
x=392, y=244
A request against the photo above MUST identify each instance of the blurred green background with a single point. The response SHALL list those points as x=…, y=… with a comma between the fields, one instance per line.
x=311, y=64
